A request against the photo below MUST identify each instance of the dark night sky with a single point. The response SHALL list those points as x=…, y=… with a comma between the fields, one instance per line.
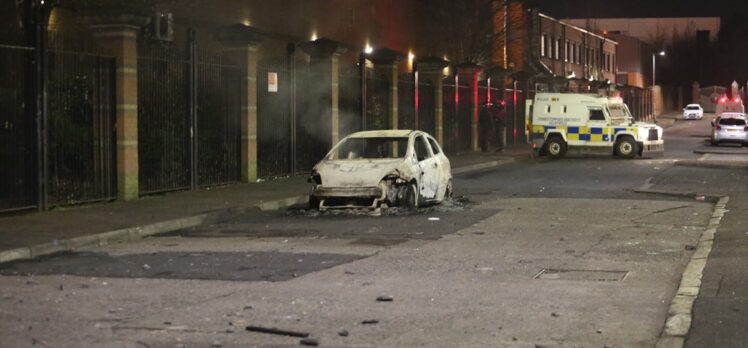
x=642, y=8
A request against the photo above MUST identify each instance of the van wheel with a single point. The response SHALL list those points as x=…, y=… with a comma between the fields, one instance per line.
x=555, y=147
x=626, y=147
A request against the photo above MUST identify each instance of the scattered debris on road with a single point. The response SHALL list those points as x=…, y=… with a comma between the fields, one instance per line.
x=690, y=247
x=343, y=333
x=276, y=331
x=433, y=219
x=370, y=322
x=384, y=299
x=309, y=342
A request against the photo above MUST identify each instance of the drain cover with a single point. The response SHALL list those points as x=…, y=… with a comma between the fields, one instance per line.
x=582, y=275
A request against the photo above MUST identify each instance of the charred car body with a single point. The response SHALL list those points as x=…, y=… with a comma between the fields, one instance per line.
x=383, y=168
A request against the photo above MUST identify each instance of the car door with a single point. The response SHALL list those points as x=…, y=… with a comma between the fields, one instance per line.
x=429, y=168
x=443, y=166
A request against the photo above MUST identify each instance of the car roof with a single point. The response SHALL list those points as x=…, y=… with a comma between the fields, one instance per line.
x=733, y=115
x=383, y=133
x=699, y=105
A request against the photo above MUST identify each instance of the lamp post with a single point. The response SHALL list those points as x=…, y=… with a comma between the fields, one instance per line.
x=654, y=64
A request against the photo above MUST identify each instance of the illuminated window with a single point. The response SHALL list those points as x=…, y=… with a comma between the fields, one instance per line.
x=556, y=49
x=542, y=45
x=566, y=51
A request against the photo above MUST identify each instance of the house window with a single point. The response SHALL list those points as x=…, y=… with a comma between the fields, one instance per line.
x=566, y=51
x=573, y=52
x=542, y=45
x=556, y=54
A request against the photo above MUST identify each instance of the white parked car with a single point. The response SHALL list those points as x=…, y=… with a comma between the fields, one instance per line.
x=693, y=111
x=382, y=168
x=730, y=127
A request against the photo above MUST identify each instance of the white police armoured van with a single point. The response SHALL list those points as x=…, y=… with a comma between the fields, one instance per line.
x=556, y=122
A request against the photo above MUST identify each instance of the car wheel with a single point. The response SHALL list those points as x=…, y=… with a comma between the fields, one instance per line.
x=626, y=147
x=313, y=202
x=555, y=147
x=411, y=196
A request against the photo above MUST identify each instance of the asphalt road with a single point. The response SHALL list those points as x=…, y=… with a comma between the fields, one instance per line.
x=540, y=252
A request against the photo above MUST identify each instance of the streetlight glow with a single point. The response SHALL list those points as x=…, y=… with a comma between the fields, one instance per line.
x=368, y=49
x=662, y=53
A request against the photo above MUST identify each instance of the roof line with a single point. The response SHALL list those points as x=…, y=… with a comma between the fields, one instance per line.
x=576, y=27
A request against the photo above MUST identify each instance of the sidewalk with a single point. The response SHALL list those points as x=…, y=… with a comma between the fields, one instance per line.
x=69, y=228
x=669, y=118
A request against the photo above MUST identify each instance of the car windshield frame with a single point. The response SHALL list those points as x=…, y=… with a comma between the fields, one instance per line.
x=693, y=107
x=370, y=148
x=732, y=121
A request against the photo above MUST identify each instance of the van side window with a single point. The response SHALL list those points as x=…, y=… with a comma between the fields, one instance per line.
x=564, y=108
x=548, y=109
x=597, y=115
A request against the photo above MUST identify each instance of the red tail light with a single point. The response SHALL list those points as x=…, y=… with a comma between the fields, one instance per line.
x=719, y=127
x=745, y=128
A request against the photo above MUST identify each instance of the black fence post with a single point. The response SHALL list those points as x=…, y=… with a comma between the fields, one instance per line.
x=36, y=22
x=362, y=72
x=193, y=108
x=291, y=65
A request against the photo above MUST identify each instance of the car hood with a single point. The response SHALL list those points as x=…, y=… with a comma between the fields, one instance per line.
x=356, y=173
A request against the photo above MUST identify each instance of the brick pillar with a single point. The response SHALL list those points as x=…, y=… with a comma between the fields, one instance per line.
x=241, y=43
x=117, y=34
x=695, y=93
x=430, y=69
x=325, y=71
x=386, y=63
x=470, y=73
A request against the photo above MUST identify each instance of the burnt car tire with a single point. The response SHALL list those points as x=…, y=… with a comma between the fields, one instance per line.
x=449, y=191
x=411, y=196
x=626, y=147
x=313, y=202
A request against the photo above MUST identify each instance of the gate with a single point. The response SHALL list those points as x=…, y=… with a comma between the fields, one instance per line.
x=425, y=106
x=350, y=101
x=377, y=101
x=218, y=113
x=189, y=131
x=71, y=157
x=163, y=119
x=17, y=132
x=406, y=113
x=81, y=135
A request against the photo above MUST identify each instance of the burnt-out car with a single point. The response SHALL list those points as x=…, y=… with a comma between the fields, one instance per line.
x=383, y=168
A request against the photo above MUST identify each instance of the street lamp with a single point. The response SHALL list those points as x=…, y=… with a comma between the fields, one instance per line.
x=654, y=64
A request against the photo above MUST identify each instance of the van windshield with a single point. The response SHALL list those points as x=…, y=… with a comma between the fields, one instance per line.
x=619, y=112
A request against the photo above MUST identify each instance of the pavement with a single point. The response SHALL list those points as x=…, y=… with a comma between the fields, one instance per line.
x=29, y=235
